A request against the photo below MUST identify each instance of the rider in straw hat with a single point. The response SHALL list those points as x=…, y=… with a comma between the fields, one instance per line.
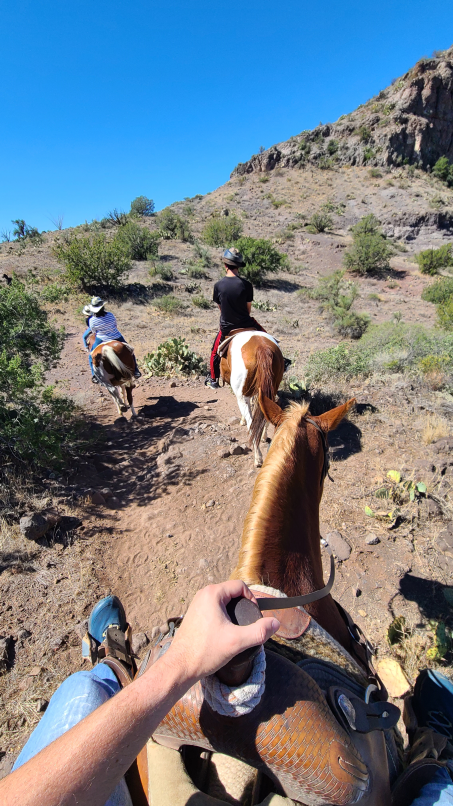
x=234, y=296
x=103, y=324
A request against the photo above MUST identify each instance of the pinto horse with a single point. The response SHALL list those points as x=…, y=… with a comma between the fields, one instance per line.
x=280, y=545
x=114, y=367
x=253, y=364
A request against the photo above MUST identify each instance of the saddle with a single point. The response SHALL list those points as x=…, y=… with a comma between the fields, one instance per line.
x=223, y=347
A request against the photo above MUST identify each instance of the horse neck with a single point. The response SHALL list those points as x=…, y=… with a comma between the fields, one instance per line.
x=280, y=540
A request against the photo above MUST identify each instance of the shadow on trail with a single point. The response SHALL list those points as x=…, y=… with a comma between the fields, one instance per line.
x=428, y=595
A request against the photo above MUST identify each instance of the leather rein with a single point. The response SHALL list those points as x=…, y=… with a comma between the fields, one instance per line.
x=296, y=601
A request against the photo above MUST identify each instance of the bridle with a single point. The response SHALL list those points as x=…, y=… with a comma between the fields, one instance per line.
x=296, y=601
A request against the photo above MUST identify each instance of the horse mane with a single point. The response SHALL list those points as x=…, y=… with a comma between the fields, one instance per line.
x=111, y=356
x=266, y=498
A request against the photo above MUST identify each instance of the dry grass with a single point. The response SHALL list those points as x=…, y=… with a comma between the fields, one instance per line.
x=435, y=428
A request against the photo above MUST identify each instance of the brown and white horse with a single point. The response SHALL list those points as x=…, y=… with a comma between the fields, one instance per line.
x=114, y=367
x=280, y=545
x=254, y=363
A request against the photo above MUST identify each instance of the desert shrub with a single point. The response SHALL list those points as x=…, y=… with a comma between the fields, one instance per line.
x=201, y=302
x=174, y=357
x=332, y=147
x=370, y=253
x=196, y=271
x=320, y=222
x=202, y=255
x=168, y=303
x=445, y=314
x=117, y=218
x=443, y=170
x=222, y=231
x=172, y=226
x=142, y=206
x=24, y=233
x=159, y=270
x=93, y=264
x=192, y=288
x=388, y=347
x=55, y=292
x=374, y=173
x=337, y=296
x=364, y=134
x=431, y=260
x=139, y=241
x=439, y=292
x=35, y=424
x=264, y=305
x=261, y=258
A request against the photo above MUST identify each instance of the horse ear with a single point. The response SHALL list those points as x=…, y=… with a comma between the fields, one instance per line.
x=271, y=410
x=330, y=420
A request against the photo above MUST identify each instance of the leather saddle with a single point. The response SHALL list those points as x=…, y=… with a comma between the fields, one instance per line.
x=224, y=345
x=300, y=738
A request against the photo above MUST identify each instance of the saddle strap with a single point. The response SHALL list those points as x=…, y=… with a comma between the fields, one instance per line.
x=297, y=601
x=364, y=651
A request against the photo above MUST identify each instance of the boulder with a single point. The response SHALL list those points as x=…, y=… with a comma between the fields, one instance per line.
x=392, y=677
x=96, y=498
x=139, y=642
x=444, y=541
x=34, y=526
x=337, y=543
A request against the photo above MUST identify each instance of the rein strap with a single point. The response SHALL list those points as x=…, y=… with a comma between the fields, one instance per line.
x=297, y=601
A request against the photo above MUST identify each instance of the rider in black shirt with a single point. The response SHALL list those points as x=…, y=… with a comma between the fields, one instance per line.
x=234, y=296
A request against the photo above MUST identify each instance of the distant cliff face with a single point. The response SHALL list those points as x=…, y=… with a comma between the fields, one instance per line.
x=409, y=122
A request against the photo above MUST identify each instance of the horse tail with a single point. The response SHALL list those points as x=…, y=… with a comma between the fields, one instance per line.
x=124, y=372
x=264, y=381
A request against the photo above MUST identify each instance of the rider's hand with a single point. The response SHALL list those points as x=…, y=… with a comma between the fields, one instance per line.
x=207, y=640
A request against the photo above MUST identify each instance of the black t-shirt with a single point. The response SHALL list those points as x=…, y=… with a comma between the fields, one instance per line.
x=233, y=294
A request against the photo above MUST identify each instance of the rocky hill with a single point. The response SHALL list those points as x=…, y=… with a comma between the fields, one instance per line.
x=410, y=122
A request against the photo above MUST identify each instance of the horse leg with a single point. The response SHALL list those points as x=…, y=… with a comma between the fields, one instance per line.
x=246, y=411
x=129, y=400
x=117, y=400
x=264, y=434
x=242, y=421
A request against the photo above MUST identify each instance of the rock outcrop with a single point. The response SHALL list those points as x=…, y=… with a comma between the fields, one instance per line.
x=409, y=122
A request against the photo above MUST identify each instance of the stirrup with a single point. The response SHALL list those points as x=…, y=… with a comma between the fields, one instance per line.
x=116, y=646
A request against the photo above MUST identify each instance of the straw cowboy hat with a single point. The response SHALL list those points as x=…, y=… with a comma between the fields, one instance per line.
x=96, y=304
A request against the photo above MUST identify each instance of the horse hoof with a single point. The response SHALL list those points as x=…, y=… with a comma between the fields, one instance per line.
x=123, y=408
x=258, y=464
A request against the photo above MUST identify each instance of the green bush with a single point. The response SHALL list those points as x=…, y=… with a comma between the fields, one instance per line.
x=370, y=253
x=139, y=241
x=117, y=218
x=192, y=288
x=196, y=271
x=333, y=146
x=174, y=357
x=439, y=292
x=337, y=296
x=364, y=133
x=222, y=231
x=443, y=170
x=445, y=314
x=55, y=292
x=202, y=254
x=93, y=264
x=320, y=222
x=168, y=303
x=36, y=426
x=172, y=226
x=264, y=305
x=164, y=272
x=201, y=302
x=261, y=258
x=23, y=233
x=142, y=206
x=389, y=347
x=431, y=260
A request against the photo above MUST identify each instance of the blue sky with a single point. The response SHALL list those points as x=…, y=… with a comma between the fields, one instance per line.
x=101, y=102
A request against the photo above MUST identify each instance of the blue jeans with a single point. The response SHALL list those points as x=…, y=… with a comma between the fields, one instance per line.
x=78, y=696
x=439, y=792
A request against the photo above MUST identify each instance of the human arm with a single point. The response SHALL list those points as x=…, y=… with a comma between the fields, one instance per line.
x=249, y=307
x=85, y=336
x=85, y=764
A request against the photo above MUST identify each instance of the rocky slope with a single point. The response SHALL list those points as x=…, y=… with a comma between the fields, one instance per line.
x=409, y=122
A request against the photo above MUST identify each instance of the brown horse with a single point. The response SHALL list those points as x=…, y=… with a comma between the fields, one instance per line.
x=114, y=366
x=253, y=364
x=280, y=545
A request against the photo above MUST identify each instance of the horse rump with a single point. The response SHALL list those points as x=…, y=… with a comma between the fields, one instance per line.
x=122, y=372
x=264, y=381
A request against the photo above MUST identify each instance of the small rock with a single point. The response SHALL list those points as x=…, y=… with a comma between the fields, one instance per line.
x=433, y=509
x=35, y=671
x=96, y=498
x=444, y=541
x=81, y=628
x=392, y=677
x=4, y=651
x=113, y=503
x=155, y=632
x=139, y=641
x=41, y=706
x=245, y=448
x=164, y=629
x=106, y=493
x=363, y=613
x=34, y=526
x=357, y=592
x=236, y=451
x=169, y=534
x=224, y=453
x=338, y=544
x=203, y=564
x=207, y=408
x=234, y=421
x=210, y=503
x=371, y=539
x=22, y=635
x=173, y=385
